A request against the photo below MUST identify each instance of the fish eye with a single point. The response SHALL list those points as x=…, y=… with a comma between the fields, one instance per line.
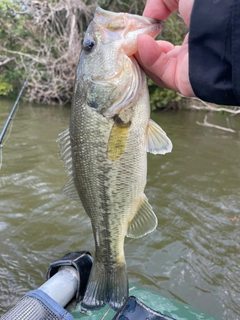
x=88, y=44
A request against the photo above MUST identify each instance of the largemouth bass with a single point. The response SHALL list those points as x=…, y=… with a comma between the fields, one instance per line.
x=105, y=147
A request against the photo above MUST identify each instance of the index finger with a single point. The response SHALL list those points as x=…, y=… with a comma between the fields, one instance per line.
x=160, y=9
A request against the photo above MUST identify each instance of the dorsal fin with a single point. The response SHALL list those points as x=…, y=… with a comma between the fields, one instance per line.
x=158, y=142
x=144, y=222
x=65, y=153
x=70, y=191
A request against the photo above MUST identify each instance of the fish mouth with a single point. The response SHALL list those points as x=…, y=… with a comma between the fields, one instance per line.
x=147, y=26
x=128, y=27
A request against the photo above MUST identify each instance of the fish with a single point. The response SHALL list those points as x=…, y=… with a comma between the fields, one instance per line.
x=105, y=147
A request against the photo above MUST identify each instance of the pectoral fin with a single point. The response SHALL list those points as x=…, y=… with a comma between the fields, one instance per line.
x=117, y=140
x=158, y=142
x=144, y=222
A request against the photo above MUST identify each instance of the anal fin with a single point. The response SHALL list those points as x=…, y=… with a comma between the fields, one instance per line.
x=144, y=222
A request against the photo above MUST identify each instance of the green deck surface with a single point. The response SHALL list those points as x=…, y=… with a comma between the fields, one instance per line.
x=171, y=308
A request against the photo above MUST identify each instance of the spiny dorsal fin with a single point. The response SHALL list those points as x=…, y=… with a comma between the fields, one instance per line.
x=64, y=144
x=158, y=142
x=144, y=222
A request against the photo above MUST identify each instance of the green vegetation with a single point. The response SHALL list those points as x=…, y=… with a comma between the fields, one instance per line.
x=10, y=29
x=5, y=87
x=43, y=39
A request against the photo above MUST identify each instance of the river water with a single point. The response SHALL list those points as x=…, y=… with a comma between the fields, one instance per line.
x=193, y=256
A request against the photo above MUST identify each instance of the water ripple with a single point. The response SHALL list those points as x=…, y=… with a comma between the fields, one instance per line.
x=193, y=256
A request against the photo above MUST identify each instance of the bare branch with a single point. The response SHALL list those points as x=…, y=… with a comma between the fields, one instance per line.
x=209, y=107
x=2, y=63
x=32, y=57
x=13, y=11
x=207, y=124
x=216, y=109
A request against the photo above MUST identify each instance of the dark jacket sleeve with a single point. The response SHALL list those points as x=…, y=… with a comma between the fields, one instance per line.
x=214, y=51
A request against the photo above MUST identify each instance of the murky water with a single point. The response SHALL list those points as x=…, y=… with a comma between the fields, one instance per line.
x=193, y=256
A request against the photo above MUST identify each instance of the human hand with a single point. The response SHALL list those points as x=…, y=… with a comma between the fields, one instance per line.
x=164, y=63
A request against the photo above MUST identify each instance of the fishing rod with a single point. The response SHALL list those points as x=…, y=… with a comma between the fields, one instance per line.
x=10, y=117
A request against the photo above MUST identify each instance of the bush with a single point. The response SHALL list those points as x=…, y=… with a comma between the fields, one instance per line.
x=5, y=87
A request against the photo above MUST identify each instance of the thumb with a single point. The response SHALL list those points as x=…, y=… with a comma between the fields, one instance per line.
x=185, y=10
x=153, y=59
x=148, y=51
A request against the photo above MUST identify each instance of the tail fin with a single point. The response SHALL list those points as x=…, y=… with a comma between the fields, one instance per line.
x=106, y=285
